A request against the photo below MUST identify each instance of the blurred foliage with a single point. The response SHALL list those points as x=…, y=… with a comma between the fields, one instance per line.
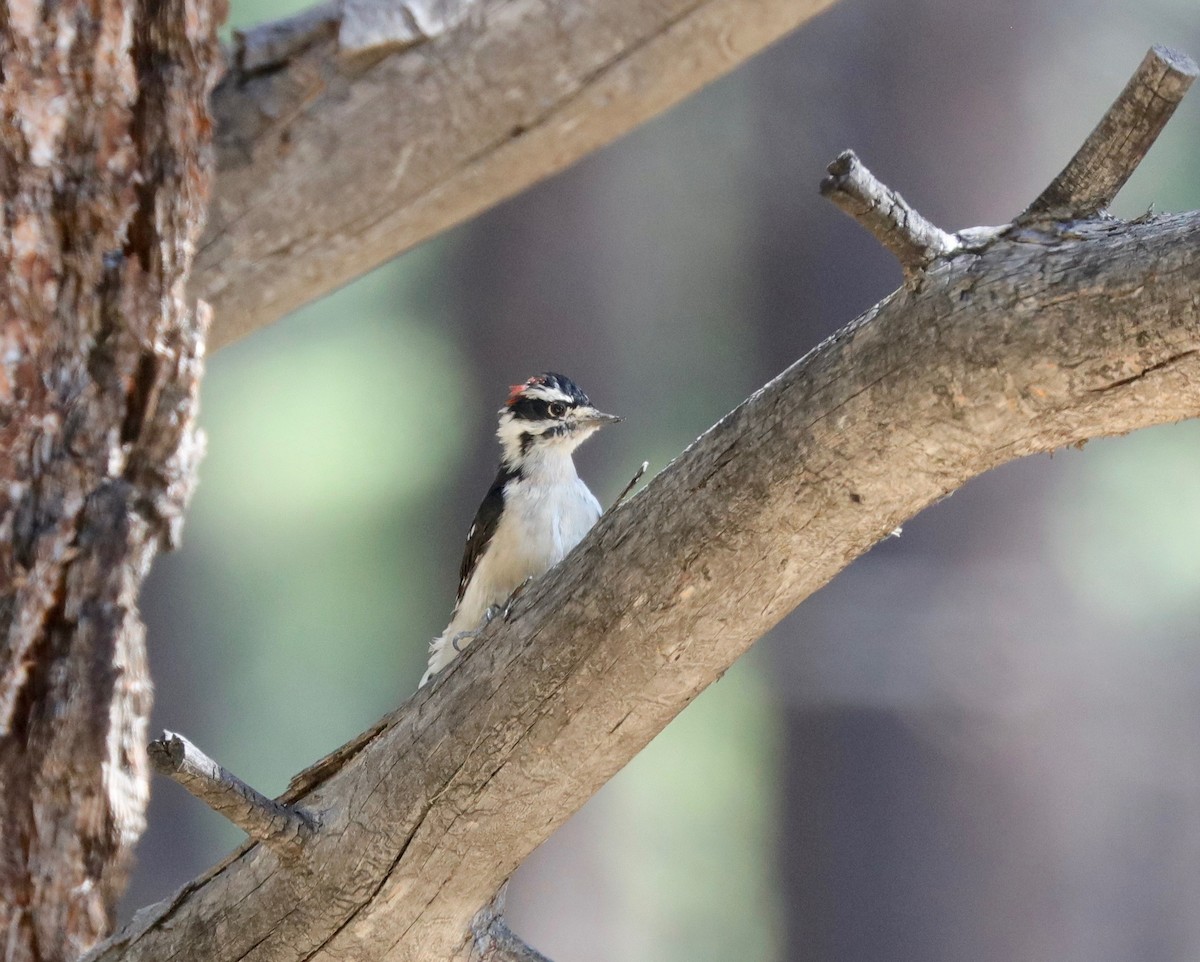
x=247, y=13
x=1125, y=533
x=328, y=437
x=697, y=811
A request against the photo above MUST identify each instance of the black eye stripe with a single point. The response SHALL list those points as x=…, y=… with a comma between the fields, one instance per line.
x=536, y=409
x=528, y=409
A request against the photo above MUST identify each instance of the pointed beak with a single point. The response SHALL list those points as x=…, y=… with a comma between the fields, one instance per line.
x=599, y=418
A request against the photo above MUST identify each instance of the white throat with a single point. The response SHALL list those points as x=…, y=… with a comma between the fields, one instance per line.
x=524, y=445
x=547, y=464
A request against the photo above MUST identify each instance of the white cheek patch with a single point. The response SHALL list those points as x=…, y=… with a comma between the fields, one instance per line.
x=513, y=432
x=509, y=432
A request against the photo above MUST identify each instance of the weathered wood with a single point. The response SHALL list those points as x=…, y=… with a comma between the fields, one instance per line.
x=1039, y=339
x=913, y=240
x=1118, y=143
x=104, y=169
x=280, y=827
x=502, y=94
x=271, y=45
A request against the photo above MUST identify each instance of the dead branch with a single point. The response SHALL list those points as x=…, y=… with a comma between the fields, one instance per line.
x=281, y=828
x=895, y=224
x=419, y=101
x=1019, y=342
x=1117, y=145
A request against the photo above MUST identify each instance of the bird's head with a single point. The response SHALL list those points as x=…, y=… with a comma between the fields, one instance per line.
x=545, y=416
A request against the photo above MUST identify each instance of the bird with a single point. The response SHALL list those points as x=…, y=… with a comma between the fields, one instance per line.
x=535, y=512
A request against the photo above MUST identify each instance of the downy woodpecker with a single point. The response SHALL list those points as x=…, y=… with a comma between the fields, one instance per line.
x=536, y=511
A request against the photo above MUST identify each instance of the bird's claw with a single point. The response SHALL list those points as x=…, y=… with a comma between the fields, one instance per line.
x=469, y=635
x=490, y=614
x=512, y=599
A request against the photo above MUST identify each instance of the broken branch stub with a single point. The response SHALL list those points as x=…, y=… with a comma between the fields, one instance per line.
x=915, y=241
x=1118, y=143
x=280, y=827
x=1085, y=186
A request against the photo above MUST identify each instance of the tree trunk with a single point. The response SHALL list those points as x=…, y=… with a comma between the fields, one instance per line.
x=104, y=168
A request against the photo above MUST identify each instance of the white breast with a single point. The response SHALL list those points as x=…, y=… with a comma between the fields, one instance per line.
x=542, y=522
x=544, y=518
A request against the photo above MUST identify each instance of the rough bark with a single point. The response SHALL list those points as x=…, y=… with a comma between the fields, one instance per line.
x=1042, y=337
x=104, y=168
x=431, y=127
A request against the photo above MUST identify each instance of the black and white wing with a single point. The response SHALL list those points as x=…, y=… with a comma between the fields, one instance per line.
x=483, y=528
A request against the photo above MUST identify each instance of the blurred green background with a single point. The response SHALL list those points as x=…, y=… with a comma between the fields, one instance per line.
x=977, y=743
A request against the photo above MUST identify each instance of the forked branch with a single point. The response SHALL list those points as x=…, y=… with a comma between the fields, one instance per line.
x=1085, y=186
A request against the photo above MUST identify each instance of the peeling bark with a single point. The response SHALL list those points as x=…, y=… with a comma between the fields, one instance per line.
x=104, y=170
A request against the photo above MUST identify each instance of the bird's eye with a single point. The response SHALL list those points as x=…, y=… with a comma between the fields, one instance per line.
x=557, y=409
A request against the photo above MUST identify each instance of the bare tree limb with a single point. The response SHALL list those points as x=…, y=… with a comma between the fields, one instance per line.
x=1031, y=343
x=914, y=241
x=1118, y=143
x=433, y=127
x=280, y=827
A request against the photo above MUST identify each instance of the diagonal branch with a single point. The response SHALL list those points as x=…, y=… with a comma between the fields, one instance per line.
x=1022, y=346
x=436, y=111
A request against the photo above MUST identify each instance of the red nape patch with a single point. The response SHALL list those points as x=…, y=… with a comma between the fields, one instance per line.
x=516, y=390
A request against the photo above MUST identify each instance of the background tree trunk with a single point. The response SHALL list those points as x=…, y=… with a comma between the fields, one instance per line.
x=104, y=168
